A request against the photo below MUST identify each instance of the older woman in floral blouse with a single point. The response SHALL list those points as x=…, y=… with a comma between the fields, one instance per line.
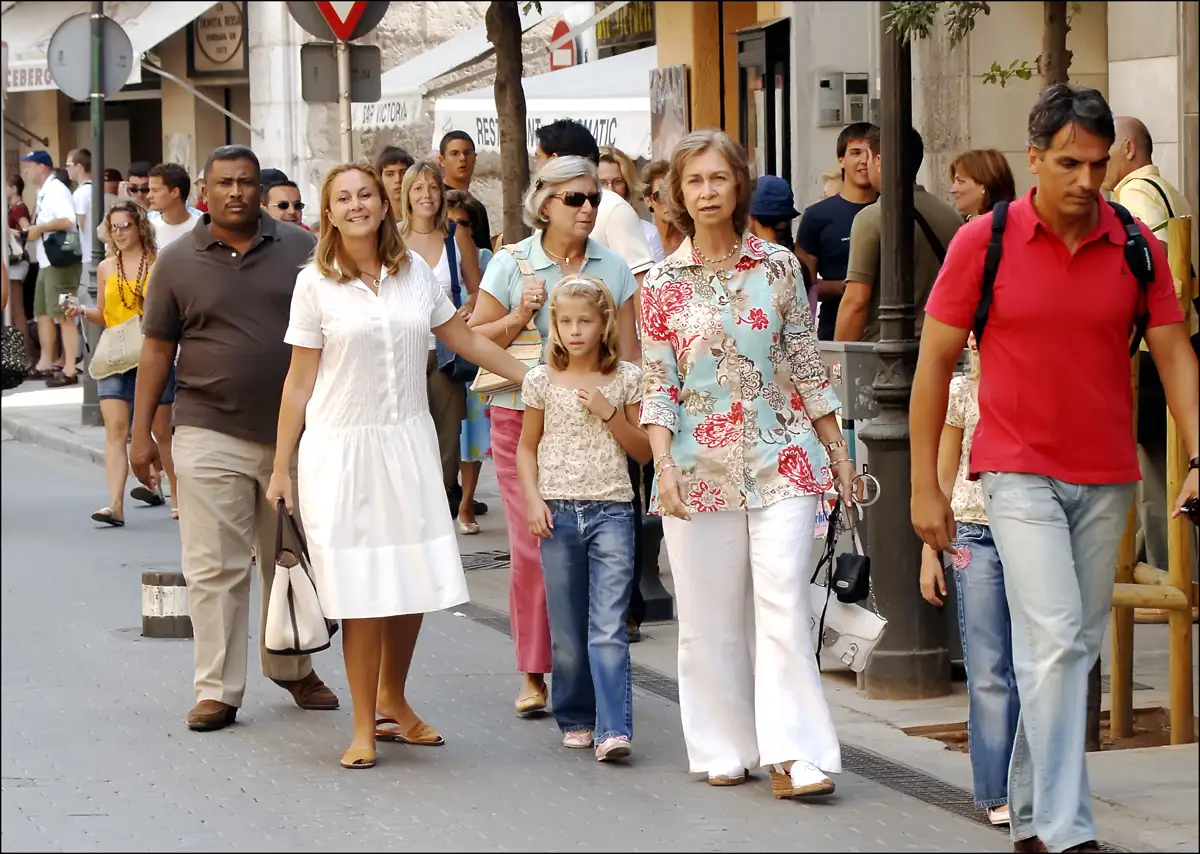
x=746, y=439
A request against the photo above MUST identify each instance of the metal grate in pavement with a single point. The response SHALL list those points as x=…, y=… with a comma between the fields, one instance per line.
x=865, y=763
x=485, y=560
x=1106, y=685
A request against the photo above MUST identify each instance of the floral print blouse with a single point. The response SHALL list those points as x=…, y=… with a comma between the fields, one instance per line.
x=733, y=370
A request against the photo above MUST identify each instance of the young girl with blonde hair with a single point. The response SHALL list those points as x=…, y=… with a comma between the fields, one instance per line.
x=580, y=422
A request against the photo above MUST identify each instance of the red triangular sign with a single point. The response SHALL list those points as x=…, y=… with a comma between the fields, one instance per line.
x=341, y=17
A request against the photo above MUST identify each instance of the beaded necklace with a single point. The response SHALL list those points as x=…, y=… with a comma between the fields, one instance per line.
x=137, y=289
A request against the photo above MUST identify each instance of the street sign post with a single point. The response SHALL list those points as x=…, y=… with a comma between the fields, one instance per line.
x=319, y=73
x=90, y=58
x=564, y=56
x=69, y=57
x=312, y=19
x=342, y=23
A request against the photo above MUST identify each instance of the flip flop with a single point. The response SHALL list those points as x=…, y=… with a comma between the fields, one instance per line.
x=106, y=517
x=420, y=733
x=357, y=758
x=144, y=493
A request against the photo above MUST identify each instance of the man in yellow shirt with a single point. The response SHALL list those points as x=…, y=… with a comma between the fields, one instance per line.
x=1135, y=183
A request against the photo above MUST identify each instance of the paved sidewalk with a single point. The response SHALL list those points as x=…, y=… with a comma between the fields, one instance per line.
x=96, y=756
x=1145, y=799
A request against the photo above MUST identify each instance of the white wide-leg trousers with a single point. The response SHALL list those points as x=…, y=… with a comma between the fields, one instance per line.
x=742, y=711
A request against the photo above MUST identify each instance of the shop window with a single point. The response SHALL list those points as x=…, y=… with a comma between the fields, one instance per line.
x=764, y=97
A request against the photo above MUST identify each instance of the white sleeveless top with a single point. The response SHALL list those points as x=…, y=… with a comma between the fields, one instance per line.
x=441, y=275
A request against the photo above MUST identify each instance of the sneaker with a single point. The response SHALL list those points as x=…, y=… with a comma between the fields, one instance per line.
x=998, y=815
x=808, y=779
x=577, y=739
x=614, y=747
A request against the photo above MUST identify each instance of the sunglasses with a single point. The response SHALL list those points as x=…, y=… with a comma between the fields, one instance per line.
x=283, y=206
x=120, y=226
x=142, y=190
x=576, y=200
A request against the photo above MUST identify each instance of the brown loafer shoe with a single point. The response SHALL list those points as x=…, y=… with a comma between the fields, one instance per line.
x=310, y=692
x=209, y=715
x=1031, y=845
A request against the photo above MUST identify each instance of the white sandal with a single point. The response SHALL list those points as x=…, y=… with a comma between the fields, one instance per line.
x=467, y=528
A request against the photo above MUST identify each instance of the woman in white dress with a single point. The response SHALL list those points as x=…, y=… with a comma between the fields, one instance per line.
x=369, y=485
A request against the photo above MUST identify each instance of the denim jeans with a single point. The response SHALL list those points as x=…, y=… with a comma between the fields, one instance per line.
x=588, y=569
x=1058, y=543
x=986, y=632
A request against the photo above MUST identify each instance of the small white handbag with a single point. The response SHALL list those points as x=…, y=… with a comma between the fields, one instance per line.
x=849, y=632
x=296, y=624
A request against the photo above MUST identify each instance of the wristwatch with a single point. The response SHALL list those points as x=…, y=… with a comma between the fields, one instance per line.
x=1193, y=463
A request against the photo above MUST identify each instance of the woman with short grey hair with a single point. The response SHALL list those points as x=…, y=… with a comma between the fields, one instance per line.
x=561, y=203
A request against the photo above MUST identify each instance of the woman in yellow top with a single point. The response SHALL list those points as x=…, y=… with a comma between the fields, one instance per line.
x=125, y=275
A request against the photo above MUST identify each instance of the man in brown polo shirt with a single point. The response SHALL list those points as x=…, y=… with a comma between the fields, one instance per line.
x=222, y=295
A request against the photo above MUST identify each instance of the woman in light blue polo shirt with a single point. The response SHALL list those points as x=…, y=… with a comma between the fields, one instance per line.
x=561, y=203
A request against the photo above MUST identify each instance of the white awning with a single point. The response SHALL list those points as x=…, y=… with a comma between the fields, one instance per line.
x=611, y=96
x=28, y=27
x=404, y=85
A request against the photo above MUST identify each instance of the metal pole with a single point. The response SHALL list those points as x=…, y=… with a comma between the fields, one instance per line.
x=911, y=660
x=90, y=413
x=343, y=57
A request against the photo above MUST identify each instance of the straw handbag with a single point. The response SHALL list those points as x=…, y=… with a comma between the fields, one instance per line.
x=119, y=349
x=526, y=347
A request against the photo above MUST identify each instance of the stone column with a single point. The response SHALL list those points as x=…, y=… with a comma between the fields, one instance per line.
x=191, y=128
x=275, y=103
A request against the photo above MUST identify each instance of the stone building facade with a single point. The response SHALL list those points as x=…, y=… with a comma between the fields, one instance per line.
x=302, y=139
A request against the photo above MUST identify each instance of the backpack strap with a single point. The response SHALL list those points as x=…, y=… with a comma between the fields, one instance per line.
x=1141, y=264
x=1162, y=193
x=936, y=245
x=452, y=261
x=991, y=265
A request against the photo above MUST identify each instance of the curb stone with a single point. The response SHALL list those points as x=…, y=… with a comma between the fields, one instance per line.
x=53, y=438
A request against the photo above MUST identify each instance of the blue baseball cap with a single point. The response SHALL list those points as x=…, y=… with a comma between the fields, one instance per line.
x=40, y=156
x=772, y=200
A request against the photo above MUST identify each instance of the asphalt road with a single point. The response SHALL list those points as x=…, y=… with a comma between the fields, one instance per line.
x=97, y=757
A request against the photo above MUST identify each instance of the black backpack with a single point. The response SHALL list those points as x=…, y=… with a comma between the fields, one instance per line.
x=1137, y=256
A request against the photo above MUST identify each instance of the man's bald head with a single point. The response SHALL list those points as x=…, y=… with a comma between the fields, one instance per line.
x=1129, y=128
x=1132, y=149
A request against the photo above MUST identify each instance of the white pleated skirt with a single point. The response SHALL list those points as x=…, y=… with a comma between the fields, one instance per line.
x=377, y=520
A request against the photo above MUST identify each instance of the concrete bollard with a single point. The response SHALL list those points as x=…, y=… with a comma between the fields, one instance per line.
x=165, y=605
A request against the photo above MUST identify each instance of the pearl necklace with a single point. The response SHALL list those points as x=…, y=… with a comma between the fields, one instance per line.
x=723, y=275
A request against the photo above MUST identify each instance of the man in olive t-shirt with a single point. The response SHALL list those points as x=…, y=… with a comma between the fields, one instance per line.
x=858, y=314
x=223, y=295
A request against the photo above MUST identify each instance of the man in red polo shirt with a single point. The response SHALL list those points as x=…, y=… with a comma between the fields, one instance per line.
x=1054, y=446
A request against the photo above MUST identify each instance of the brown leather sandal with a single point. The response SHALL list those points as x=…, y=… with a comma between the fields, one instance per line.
x=420, y=733
x=358, y=758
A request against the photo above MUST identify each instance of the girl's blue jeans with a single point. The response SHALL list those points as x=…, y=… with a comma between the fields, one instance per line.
x=986, y=631
x=588, y=568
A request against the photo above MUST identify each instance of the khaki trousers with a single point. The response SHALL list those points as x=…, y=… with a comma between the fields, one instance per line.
x=448, y=406
x=223, y=512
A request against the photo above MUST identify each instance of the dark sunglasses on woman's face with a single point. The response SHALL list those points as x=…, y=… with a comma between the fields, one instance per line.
x=283, y=206
x=576, y=200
